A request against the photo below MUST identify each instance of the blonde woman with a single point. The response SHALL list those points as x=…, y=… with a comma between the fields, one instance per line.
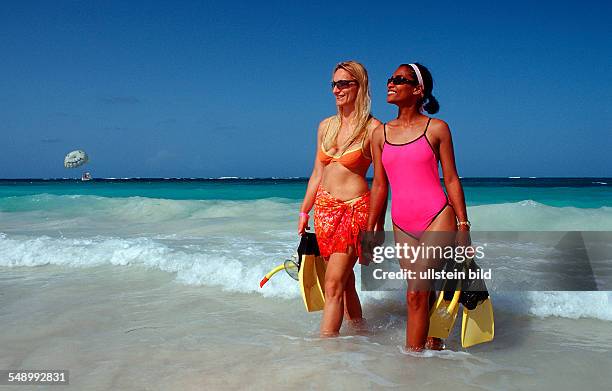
x=339, y=192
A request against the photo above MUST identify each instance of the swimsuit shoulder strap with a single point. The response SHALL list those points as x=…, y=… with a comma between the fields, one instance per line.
x=427, y=139
x=365, y=136
x=329, y=121
x=427, y=126
x=385, y=131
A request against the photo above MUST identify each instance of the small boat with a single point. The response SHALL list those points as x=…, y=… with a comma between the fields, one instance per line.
x=86, y=176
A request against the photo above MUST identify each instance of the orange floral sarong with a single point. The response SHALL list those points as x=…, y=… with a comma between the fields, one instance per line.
x=338, y=223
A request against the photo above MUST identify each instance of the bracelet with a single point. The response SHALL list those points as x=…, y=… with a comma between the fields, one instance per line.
x=467, y=223
x=304, y=214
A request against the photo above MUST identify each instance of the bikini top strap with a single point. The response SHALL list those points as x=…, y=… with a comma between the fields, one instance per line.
x=325, y=134
x=385, y=131
x=365, y=136
x=327, y=127
x=427, y=126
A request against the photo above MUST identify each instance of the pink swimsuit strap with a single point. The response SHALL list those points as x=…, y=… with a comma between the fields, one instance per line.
x=417, y=197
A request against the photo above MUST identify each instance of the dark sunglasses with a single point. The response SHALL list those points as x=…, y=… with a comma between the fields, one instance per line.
x=342, y=84
x=397, y=80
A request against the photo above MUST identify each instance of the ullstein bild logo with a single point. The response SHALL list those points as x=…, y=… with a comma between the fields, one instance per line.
x=504, y=260
x=432, y=274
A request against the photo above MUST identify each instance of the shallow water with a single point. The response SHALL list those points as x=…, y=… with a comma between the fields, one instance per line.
x=129, y=328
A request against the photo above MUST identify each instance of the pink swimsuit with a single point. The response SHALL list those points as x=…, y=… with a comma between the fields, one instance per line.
x=417, y=197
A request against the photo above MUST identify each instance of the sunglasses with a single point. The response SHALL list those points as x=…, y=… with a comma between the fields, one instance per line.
x=342, y=84
x=398, y=80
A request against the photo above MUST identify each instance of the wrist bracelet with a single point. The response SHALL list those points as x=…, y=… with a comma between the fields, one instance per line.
x=304, y=214
x=466, y=222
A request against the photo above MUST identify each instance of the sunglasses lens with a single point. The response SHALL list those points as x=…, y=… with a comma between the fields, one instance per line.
x=398, y=80
x=341, y=84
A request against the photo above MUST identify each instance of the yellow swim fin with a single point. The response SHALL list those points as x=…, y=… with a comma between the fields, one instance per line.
x=478, y=325
x=443, y=315
x=321, y=268
x=308, y=268
x=311, y=275
x=310, y=283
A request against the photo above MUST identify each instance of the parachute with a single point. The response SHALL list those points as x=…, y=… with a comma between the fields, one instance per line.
x=75, y=159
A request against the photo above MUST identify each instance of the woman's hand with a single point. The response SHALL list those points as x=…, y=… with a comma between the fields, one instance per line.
x=370, y=240
x=463, y=238
x=303, y=223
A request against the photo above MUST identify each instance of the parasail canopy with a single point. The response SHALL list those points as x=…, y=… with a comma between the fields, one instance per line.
x=75, y=159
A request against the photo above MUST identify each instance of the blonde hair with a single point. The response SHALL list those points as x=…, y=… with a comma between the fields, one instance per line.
x=363, y=104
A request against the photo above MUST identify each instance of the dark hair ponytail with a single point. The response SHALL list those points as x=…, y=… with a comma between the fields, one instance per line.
x=430, y=103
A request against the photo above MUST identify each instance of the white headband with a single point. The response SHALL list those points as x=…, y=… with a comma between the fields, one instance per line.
x=418, y=73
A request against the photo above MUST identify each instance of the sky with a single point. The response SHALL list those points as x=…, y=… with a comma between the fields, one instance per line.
x=217, y=88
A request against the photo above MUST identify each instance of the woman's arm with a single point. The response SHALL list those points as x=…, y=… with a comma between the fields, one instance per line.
x=313, y=184
x=449, y=171
x=378, y=198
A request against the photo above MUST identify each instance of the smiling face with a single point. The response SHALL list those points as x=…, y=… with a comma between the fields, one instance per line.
x=403, y=94
x=345, y=94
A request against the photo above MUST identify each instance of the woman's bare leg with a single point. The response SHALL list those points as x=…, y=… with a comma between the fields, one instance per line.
x=418, y=297
x=352, y=305
x=339, y=269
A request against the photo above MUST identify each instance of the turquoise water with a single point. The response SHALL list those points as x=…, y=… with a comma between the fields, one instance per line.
x=229, y=233
x=558, y=192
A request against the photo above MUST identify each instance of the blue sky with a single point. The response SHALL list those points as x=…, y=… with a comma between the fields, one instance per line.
x=206, y=89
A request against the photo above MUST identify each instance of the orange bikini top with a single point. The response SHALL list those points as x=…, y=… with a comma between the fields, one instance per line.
x=354, y=159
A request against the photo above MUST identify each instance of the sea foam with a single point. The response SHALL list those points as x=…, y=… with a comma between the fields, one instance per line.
x=232, y=244
x=239, y=265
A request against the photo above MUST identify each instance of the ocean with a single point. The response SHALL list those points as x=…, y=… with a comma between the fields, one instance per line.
x=128, y=282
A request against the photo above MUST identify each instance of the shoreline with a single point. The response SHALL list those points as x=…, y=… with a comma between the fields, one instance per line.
x=134, y=328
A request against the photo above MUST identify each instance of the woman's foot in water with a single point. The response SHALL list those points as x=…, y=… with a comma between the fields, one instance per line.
x=430, y=344
x=434, y=343
x=359, y=326
x=329, y=334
